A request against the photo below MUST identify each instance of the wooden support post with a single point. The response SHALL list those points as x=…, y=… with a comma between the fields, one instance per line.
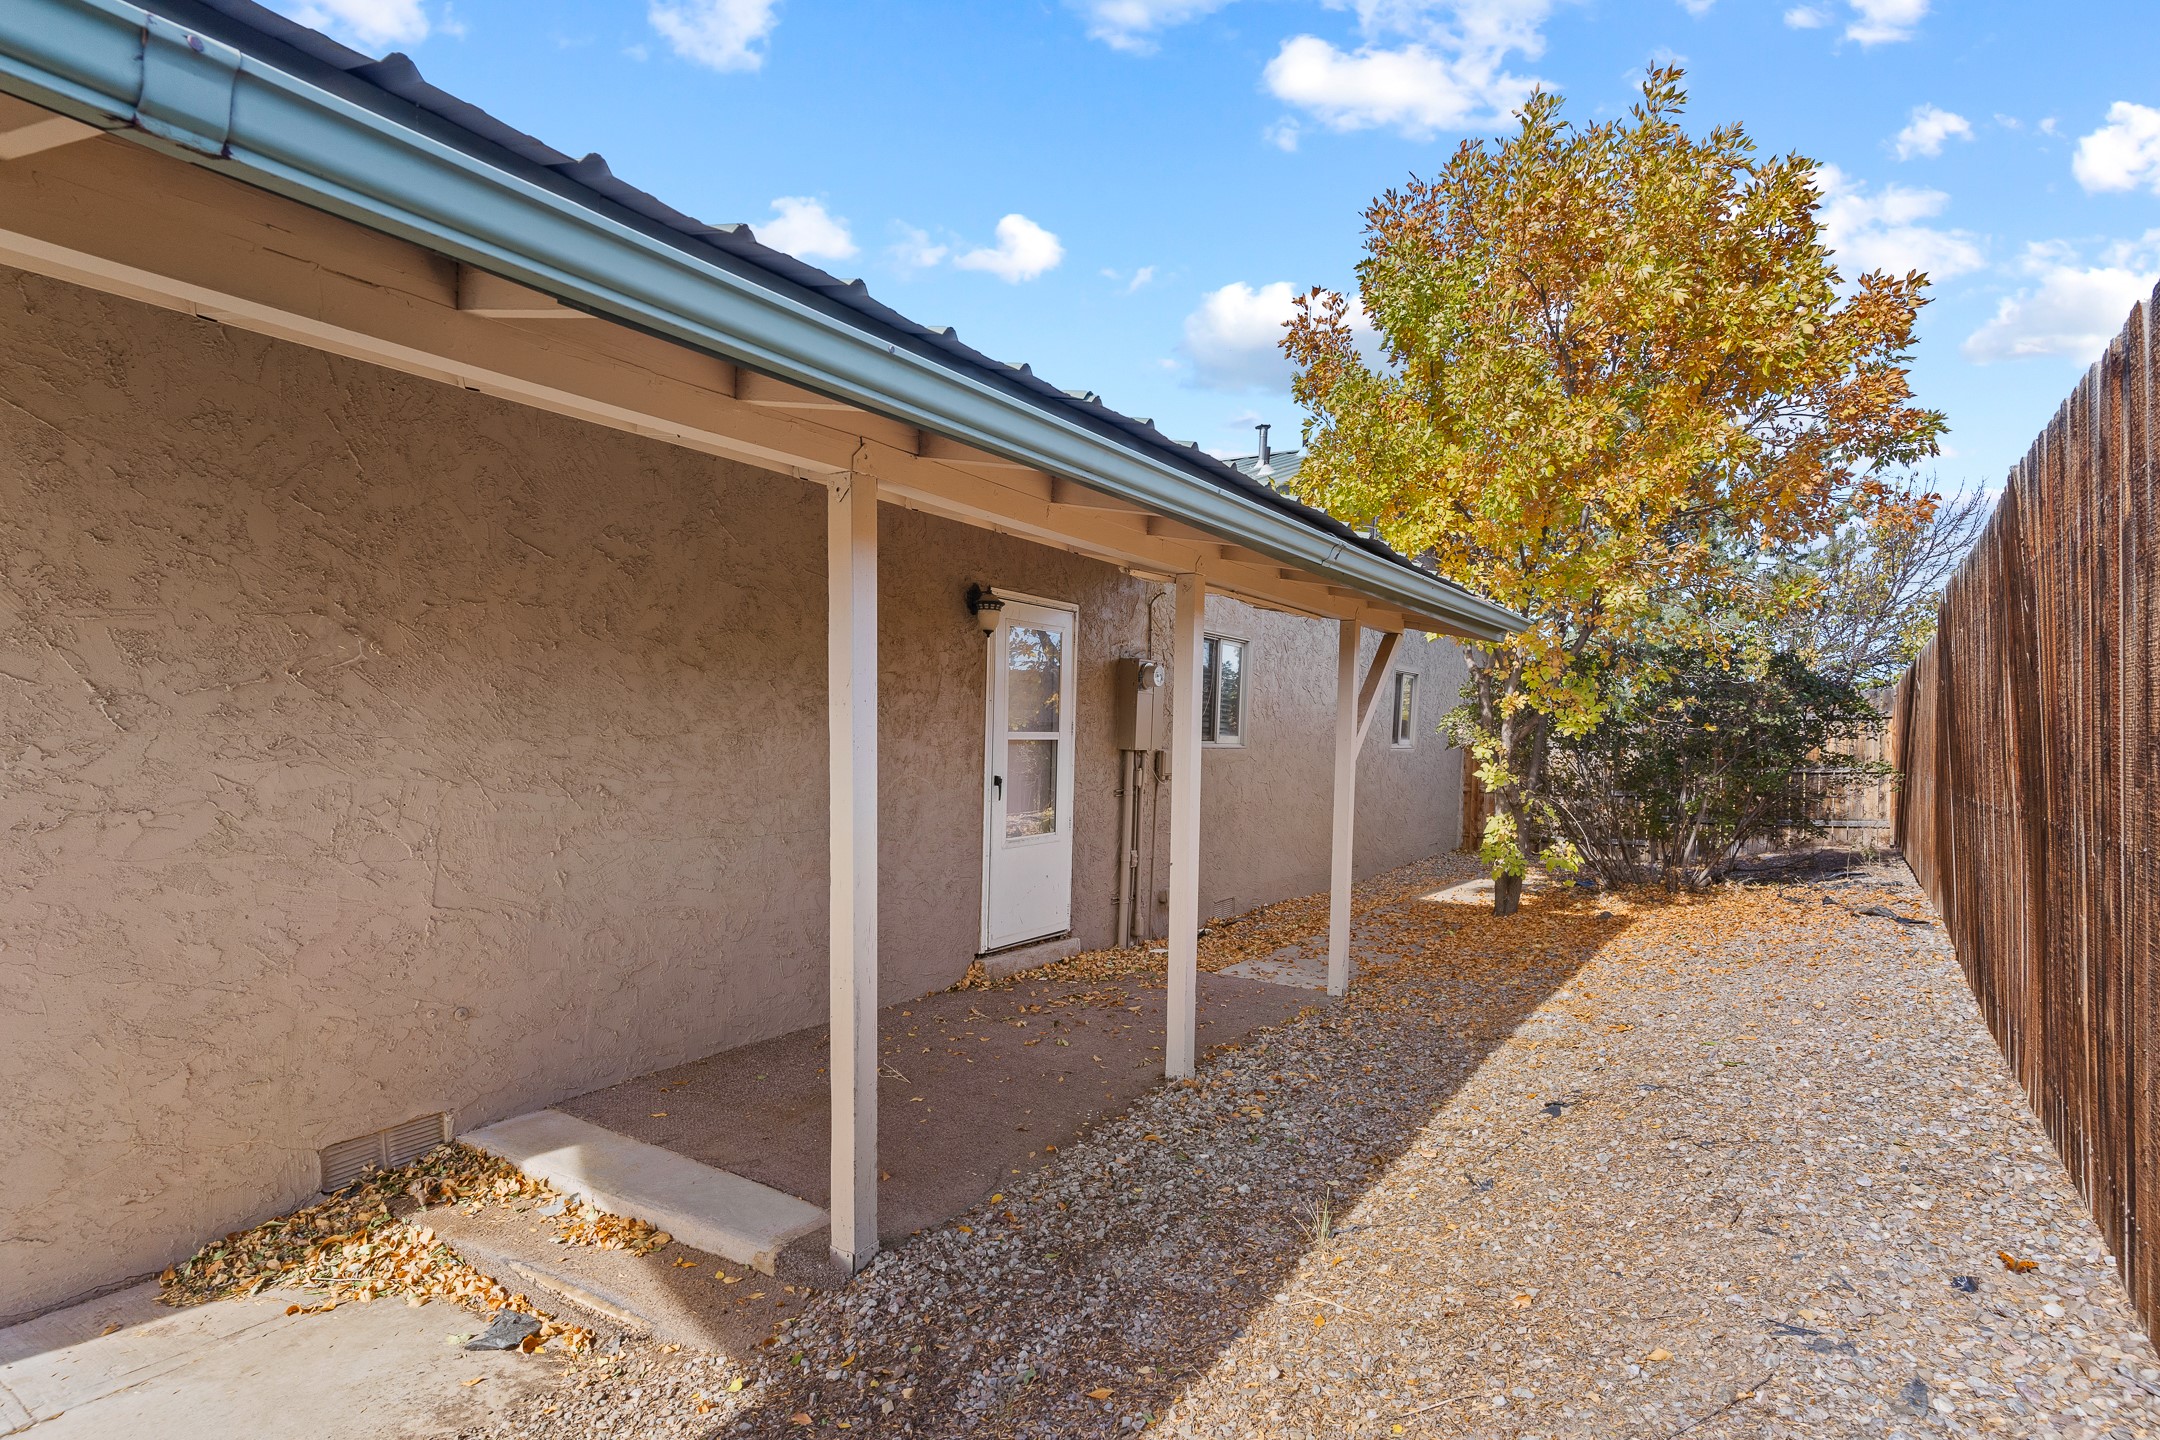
x=1355, y=707
x=1346, y=753
x=1179, y=1043
x=851, y=726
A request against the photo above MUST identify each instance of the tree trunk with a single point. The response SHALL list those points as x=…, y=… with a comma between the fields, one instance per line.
x=1506, y=894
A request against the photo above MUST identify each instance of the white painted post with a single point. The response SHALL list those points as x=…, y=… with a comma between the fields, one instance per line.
x=851, y=661
x=1180, y=1044
x=1346, y=756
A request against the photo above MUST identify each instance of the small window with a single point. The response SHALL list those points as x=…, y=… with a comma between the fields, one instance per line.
x=1405, y=708
x=1222, y=691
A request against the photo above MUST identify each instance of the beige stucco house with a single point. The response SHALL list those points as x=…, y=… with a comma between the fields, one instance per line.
x=469, y=634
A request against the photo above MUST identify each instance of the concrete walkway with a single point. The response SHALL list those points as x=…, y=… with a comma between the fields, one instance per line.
x=126, y=1366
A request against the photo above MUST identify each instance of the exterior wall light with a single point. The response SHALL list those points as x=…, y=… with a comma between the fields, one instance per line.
x=986, y=607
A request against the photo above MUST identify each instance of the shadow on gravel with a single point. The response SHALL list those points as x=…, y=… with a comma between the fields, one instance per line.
x=1078, y=1301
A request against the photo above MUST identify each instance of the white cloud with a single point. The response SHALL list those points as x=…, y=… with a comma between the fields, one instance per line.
x=1023, y=251
x=1446, y=70
x=2122, y=154
x=1697, y=7
x=719, y=34
x=915, y=250
x=807, y=230
x=1928, y=129
x=1234, y=340
x=374, y=23
x=1877, y=22
x=1874, y=22
x=1882, y=231
x=2072, y=308
x=1131, y=24
x=1129, y=284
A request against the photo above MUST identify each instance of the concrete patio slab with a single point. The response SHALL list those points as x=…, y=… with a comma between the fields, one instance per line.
x=1302, y=967
x=972, y=1086
x=123, y=1365
x=1303, y=963
x=701, y=1205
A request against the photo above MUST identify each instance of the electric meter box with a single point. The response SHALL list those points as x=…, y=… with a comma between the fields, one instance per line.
x=1137, y=719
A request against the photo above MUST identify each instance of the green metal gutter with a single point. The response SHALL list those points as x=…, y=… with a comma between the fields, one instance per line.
x=121, y=68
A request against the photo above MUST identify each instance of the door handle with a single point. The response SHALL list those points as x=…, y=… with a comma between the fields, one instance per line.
x=999, y=781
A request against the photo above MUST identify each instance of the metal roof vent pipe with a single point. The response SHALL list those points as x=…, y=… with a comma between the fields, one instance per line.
x=1262, y=463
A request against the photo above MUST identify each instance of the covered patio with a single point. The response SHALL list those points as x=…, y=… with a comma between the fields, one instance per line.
x=248, y=173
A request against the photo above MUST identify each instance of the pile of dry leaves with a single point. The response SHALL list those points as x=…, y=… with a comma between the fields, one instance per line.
x=1256, y=934
x=365, y=1243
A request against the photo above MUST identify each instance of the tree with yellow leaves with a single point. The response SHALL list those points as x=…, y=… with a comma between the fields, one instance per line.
x=1618, y=369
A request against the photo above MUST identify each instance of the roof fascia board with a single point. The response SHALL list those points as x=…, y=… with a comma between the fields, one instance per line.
x=119, y=67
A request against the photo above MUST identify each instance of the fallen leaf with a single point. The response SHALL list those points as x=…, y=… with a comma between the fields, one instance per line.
x=1100, y=1392
x=474, y=1381
x=2014, y=1265
x=1659, y=1355
x=798, y=1418
x=735, y=1384
x=657, y=1115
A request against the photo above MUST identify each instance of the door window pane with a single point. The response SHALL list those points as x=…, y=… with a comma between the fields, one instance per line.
x=1034, y=679
x=1031, y=786
x=1230, y=691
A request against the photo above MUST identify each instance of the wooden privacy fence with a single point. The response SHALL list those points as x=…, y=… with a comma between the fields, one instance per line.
x=2026, y=732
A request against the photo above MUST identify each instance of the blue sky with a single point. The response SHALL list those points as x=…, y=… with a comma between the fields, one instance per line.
x=1125, y=192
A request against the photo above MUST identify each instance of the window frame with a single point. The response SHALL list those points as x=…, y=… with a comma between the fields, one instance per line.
x=1211, y=690
x=1402, y=733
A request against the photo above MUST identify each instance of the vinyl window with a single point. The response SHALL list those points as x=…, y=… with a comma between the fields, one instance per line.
x=1222, y=690
x=1405, y=732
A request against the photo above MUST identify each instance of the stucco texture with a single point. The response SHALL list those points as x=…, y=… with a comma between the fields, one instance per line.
x=371, y=748
x=1267, y=805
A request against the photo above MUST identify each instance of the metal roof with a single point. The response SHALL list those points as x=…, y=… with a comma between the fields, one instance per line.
x=394, y=88
x=1282, y=468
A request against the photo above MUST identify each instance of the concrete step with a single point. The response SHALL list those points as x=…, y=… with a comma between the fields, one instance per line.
x=705, y=1208
x=675, y=1294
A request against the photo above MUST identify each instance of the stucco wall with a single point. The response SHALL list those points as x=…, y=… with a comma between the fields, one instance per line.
x=370, y=748
x=1267, y=806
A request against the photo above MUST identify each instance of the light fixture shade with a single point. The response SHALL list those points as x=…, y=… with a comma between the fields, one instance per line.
x=986, y=607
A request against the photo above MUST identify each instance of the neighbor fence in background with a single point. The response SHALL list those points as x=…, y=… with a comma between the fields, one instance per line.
x=2030, y=807
x=1855, y=805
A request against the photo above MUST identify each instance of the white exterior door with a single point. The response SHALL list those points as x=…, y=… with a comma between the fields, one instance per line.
x=1028, y=776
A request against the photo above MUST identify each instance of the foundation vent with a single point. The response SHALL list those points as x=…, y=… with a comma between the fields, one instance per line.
x=348, y=1160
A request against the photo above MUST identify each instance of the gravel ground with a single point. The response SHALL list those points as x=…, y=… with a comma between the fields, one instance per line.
x=1746, y=1165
